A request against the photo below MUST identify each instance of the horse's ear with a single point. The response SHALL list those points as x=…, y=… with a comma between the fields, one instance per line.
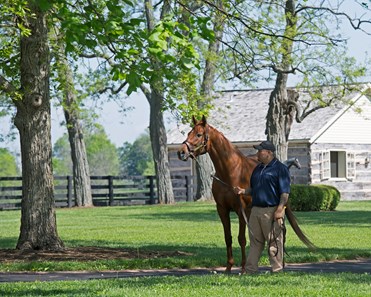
x=194, y=120
x=204, y=120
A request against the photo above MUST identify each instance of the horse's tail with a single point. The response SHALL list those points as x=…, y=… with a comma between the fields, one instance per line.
x=294, y=224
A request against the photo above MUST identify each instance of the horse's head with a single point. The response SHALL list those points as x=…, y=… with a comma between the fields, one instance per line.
x=196, y=142
x=297, y=163
x=292, y=162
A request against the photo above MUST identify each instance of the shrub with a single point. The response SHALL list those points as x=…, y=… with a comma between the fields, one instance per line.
x=313, y=197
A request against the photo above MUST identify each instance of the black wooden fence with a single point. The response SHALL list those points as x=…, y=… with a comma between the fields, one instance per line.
x=106, y=190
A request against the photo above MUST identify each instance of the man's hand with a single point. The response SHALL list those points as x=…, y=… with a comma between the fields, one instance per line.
x=279, y=213
x=237, y=190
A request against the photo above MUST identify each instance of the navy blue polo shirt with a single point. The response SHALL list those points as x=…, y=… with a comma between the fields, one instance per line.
x=268, y=182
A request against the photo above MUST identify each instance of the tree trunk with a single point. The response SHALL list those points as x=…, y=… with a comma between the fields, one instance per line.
x=204, y=166
x=280, y=115
x=80, y=166
x=157, y=129
x=276, y=117
x=159, y=148
x=38, y=221
x=81, y=172
x=204, y=169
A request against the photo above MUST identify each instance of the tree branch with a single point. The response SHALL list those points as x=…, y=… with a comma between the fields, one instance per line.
x=112, y=89
x=356, y=23
x=146, y=92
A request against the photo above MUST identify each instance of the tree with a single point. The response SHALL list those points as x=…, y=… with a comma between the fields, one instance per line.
x=141, y=47
x=8, y=167
x=28, y=87
x=71, y=108
x=136, y=158
x=283, y=106
x=204, y=167
x=260, y=43
x=102, y=154
x=192, y=93
x=62, y=162
x=279, y=39
x=8, y=164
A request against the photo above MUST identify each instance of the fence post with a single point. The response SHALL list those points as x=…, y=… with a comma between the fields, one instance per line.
x=188, y=179
x=110, y=190
x=151, y=190
x=69, y=191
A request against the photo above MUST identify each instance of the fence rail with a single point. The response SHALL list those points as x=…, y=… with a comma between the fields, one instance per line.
x=106, y=190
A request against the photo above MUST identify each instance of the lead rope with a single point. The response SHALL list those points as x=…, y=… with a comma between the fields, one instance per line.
x=275, y=239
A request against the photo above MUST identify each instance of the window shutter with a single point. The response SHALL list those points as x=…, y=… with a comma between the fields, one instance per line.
x=351, y=165
x=325, y=165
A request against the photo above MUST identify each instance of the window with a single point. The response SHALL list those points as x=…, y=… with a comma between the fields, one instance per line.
x=337, y=161
x=337, y=164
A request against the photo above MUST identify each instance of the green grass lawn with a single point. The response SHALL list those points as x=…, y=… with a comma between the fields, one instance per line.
x=193, y=228
x=285, y=284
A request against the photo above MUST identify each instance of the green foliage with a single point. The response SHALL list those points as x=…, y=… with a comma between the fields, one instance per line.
x=8, y=164
x=115, y=31
x=185, y=100
x=314, y=197
x=136, y=158
x=62, y=163
x=134, y=49
x=13, y=16
x=101, y=152
x=169, y=43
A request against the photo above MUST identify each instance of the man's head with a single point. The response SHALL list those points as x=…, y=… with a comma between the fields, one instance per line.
x=265, y=145
x=266, y=151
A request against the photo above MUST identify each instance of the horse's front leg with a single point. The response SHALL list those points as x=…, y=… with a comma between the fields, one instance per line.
x=225, y=219
x=242, y=241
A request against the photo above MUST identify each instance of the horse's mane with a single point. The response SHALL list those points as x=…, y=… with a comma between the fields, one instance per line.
x=234, y=148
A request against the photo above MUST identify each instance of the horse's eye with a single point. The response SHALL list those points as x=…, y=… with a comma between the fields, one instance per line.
x=199, y=135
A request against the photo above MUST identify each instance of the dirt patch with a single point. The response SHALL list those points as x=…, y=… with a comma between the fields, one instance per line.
x=84, y=254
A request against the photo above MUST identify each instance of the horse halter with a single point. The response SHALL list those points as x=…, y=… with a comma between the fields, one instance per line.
x=203, y=145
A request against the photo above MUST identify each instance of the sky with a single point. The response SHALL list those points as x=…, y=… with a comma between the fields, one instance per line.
x=127, y=127
x=120, y=127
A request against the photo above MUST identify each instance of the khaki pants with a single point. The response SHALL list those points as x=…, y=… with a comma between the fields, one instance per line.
x=261, y=230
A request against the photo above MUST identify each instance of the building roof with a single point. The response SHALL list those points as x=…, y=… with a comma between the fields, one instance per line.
x=241, y=117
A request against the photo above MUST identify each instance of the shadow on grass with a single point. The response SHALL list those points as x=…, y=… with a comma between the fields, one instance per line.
x=330, y=218
x=160, y=256
x=66, y=290
x=8, y=242
x=336, y=218
x=216, y=256
x=177, y=214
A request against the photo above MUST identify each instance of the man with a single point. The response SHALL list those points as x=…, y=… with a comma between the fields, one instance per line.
x=270, y=188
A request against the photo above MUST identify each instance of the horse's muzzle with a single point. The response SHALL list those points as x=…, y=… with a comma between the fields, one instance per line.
x=182, y=156
x=183, y=153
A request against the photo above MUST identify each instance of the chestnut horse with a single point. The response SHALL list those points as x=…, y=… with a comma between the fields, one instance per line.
x=232, y=169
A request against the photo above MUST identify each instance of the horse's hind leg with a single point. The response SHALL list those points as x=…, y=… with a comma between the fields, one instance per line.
x=225, y=218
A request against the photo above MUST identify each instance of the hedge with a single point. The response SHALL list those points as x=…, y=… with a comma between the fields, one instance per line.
x=313, y=197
